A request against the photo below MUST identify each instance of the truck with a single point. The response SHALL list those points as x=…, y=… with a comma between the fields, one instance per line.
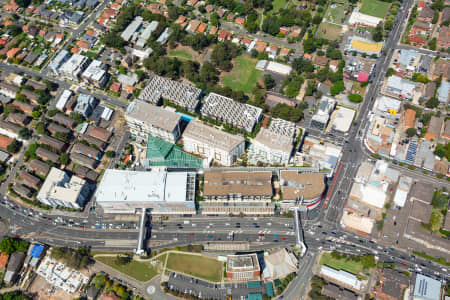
x=186, y=222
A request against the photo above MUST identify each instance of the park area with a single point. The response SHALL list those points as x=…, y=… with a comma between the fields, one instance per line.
x=181, y=54
x=346, y=264
x=243, y=77
x=328, y=31
x=335, y=13
x=196, y=265
x=374, y=8
x=142, y=271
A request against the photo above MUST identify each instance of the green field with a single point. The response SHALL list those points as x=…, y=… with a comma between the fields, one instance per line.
x=142, y=271
x=198, y=266
x=278, y=4
x=181, y=54
x=374, y=8
x=335, y=13
x=244, y=76
x=329, y=31
x=353, y=267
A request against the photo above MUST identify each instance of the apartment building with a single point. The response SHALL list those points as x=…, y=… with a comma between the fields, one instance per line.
x=236, y=192
x=273, y=145
x=59, y=189
x=227, y=110
x=74, y=67
x=183, y=95
x=96, y=74
x=146, y=119
x=213, y=144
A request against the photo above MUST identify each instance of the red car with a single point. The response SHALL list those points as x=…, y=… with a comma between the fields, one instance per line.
x=191, y=233
x=405, y=265
x=283, y=239
x=16, y=236
x=49, y=219
x=261, y=234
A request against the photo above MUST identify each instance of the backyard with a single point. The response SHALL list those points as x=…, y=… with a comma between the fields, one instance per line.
x=244, y=76
x=329, y=31
x=196, y=265
x=374, y=8
x=142, y=271
x=354, y=267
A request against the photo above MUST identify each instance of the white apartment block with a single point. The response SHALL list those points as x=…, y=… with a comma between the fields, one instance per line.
x=73, y=67
x=212, y=143
x=273, y=145
x=96, y=74
x=59, y=189
x=146, y=119
x=227, y=110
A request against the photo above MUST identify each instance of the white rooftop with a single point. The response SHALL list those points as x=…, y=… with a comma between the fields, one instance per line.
x=133, y=186
x=343, y=119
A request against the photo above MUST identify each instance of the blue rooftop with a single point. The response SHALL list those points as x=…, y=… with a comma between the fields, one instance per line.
x=427, y=288
x=37, y=250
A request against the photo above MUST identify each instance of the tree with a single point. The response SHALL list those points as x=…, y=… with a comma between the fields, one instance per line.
x=14, y=30
x=53, y=112
x=269, y=82
x=355, y=98
x=78, y=118
x=13, y=147
x=432, y=44
x=23, y=3
x=40, y=128
x=25, y=133
x=31, y=151
x=411, y=132
x=390, y=72
x=378, y=34
x=110, y=154
x=36, y=114
x=64, y=159
x=112, y=39
x=10, y=245
x=337, y=88
x=368, y=261
x=432, y=103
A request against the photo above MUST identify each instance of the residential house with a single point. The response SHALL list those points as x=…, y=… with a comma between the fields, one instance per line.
x=426, y=14
x=443, y=40
x=29, y=180
x=434, y=129
x=39, y=167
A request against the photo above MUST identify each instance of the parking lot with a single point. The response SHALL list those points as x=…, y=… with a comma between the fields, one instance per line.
x=207, y=290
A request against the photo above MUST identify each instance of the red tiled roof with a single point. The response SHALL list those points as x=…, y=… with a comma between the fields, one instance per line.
x=5, y=141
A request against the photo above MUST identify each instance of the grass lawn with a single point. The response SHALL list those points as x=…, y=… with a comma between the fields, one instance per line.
x=244, y=76
x=335, y=13
x=199, y=266
x=357, y=87
x=141, y=271
x=277, y=5
x=353, y=267
x=181, y=54
x=329, y=31
x=374, y=8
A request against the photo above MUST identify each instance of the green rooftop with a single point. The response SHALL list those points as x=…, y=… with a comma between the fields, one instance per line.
x=253, y=284
x=254, y=296
x=269, y=289
x=162, y=153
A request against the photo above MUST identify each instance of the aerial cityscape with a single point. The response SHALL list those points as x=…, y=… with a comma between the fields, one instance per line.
x=225, y=149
